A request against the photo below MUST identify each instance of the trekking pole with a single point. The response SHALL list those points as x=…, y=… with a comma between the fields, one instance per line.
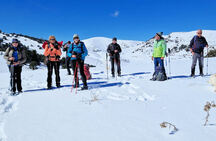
x=116, y=69
x=169, y=52
x=77, y=78
x=74, y=77
x=115, y=66
x=107, y=67
x=207, y=63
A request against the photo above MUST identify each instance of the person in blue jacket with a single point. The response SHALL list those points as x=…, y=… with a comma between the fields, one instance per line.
x=77, y=52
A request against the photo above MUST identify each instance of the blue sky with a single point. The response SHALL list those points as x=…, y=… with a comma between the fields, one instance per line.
x=125, y=19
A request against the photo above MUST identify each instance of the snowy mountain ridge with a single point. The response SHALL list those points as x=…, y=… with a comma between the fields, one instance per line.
x=177, y=41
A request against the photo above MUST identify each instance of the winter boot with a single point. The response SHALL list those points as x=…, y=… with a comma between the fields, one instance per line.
x=113, y=75
x=49, y=87
x=119, y=74
x=201, y=72
x=13, y=93
x=193, y=72
x=84, y=88
x=58, y=85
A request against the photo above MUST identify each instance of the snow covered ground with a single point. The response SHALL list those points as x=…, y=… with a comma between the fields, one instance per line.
x=123, y=109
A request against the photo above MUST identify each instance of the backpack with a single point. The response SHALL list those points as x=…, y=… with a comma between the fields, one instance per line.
x=82, y=44
x=159, y=74
x=87, y=72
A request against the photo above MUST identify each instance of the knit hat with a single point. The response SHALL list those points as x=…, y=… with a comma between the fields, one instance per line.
x=52, y=37
x=159, y=34
x=114, y=39
x=15, y=41
x=75, y=36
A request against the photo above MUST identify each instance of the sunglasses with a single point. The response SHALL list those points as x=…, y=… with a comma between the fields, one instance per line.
x=199, y=33
x=52, y=39
x=15, y=42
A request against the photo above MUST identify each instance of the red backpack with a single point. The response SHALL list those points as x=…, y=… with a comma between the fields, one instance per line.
x=87, y=72
x=45, y=43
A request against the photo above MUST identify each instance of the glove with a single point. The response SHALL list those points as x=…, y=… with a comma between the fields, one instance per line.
x=79, y=56
x=57, y=57
x=56, y=45
x=74, y=53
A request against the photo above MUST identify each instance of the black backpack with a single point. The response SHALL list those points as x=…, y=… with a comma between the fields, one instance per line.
x=82, y=44
x=159, y=74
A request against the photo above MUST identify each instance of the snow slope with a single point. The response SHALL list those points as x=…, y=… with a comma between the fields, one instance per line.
x=122, y=109
x=129, y=108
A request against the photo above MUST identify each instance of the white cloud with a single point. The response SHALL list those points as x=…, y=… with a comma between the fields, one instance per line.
x=116, y=14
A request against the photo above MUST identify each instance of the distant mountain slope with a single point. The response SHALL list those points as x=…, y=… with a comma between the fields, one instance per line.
x=177, y=41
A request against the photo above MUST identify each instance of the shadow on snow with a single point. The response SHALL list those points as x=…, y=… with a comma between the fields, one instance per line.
x=186, y=76
x=92, y=85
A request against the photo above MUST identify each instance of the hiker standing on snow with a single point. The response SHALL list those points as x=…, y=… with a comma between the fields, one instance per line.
x=197, y=45
x=67, y=60
x=53, y=53
x=159, y=52
x=114, y=51
x=15, y=57
x=77, y=52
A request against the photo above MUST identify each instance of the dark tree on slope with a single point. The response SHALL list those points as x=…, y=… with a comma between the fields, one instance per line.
x=34, y=60
x=211, y=53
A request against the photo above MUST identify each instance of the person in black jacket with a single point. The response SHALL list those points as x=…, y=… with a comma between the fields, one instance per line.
x=114, y=51
x=67, y=60
x=197, y=45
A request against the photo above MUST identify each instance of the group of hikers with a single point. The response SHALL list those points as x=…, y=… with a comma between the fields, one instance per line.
x=77, y=51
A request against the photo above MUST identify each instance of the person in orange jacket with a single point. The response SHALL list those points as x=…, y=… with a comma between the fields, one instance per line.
x=53, y=54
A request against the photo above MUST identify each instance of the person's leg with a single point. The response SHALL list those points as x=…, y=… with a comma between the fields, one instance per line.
x=161, y=62
x=49, y=77
x=12, y=79
x=18, y=76
x=201, y=64
x=194, y=61
x=74, y=64
x=155, y=63
x=112, y=60
x=118, y=65
x=81, y=67
x=68, y=65
x=56, y=68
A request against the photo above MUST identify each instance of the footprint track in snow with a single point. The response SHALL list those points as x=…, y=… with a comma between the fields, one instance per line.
x=7, y=104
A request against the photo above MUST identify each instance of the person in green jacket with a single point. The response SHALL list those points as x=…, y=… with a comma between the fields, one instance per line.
x=159, y=51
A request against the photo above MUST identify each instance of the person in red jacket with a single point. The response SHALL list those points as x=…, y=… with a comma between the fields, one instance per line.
x=53, y=53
